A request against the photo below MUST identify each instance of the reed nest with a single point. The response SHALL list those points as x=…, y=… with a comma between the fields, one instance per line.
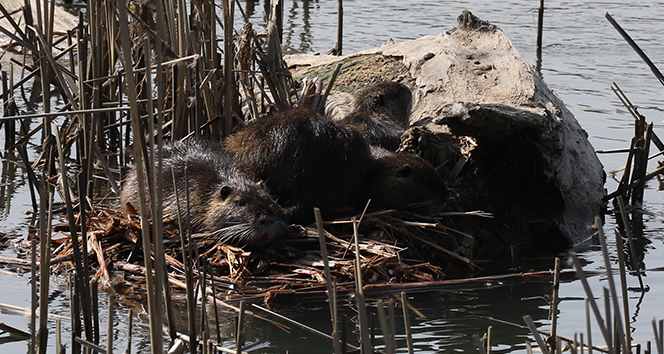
x=395, y=247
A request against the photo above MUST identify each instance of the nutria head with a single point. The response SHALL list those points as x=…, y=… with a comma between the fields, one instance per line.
x=241, y=212
x=404, y=181
x=222, y=200
x=390, y=98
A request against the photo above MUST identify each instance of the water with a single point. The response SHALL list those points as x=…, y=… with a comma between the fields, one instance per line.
x=582, y=56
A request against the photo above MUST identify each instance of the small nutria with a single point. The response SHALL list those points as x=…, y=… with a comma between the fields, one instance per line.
x=377, y=128
x=403, y=181
x=305, y=159
x=387, y=97
x=223, y=201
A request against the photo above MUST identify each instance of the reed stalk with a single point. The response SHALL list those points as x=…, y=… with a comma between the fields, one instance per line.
x=59, y=348
x=406, y=322
x=33, y=286
x=391, y=325
x=44, y=265
x=89, y=346
x=554, y=301
x=630, y=240
x=540, y=29
x=612, y=286
x=75, y=315
x=623, y=288
x=588, y=326
x=536, y=334
x=130, y=322
x=81, y=272
x=329, y=281
x=186, y=260
x=109, y=331
x=591, y=299
x=385, y=329
x=478, y=344
x=239, y=337
x=365, y=343
x=636, y=48
x=156, y=318
x=658, y=338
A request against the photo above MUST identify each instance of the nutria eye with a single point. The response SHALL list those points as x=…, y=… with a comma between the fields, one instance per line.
x=404, y=171
x=225, y=192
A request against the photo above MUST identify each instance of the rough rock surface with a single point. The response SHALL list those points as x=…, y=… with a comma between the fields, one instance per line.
x=530, y=162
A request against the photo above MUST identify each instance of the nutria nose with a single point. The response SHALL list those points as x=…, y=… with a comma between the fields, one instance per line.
x=265, y=220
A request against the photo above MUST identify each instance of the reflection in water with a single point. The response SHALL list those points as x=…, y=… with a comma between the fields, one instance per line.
x=304, y=36
x=7, y=183
x=452, y=317
x=250, y=7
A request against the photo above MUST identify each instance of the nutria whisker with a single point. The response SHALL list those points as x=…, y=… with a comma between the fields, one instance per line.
x=426, y=206
x=245, y=234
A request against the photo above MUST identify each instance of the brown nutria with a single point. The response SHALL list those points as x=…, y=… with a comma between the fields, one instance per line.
x=305, y=159
x=223, y=201
x=386, y=97
x=377, y=128
x=403, y=181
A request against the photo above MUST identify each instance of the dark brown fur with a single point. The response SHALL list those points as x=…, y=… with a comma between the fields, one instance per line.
x=387, y=97
x=404, y=182
x=222, y=200
x=305, y=159
x=377, y=128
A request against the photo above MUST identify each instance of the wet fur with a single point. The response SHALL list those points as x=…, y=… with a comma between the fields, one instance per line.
x=377, y=128
x=306, y=160
x=222, y=200
x=403, y=181
x=387, y=97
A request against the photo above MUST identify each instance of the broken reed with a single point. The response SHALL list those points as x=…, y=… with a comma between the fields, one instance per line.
x=104, y=74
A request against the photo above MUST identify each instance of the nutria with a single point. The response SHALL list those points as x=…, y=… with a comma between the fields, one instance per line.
x=386, y=97
x=403, y=181
x=377, y=128
x=223, y=201
x=305, y=159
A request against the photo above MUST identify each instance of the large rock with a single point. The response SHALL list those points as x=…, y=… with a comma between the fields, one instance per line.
x=529, y=161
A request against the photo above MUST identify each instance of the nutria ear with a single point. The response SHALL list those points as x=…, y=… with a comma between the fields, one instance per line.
x=224, y=192
x=404, y=171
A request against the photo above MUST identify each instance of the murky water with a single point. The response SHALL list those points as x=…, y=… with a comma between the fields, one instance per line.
x=582, y=56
